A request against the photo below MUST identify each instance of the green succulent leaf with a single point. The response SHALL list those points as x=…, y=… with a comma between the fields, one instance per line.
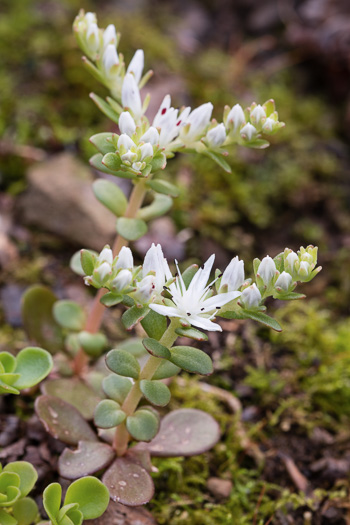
x=192, y=360
x=143, y=425
x=134, y=315
x=101, y=143
x=163, y=186
x=219, y=159
x=38, y=320
x=133, y=345
x=91, y=495
x=191, y=333
x=8, y=361
x=111, y=196
x=105, y=108
x=116, y=387
x=6, y=519
x=131, y=229
x=92, y=344
x=111, y=299
x=27, y=475
x=25, y=511
x=166, y=369
x=69, y=314
x=33, y=365
x=154, y=324
x=155, y=392
x=123, y=363
x=108, y=414
x=52, y=501
x=255, y=316
x=160, y=205
x=158, y=162
x=87, y=261
x=156, y=349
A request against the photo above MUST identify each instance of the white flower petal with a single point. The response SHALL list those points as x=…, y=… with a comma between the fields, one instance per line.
x=206, y=324
x=131, y=98
x=136, y=65
x=126, y=123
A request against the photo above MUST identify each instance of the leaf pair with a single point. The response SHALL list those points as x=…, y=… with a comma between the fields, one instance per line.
x=86, y=498
x=27, y=369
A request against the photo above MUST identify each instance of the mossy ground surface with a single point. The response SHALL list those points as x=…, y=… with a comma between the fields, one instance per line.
x=294, y=387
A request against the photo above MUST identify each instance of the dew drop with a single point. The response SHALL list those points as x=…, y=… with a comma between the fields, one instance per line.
x=122, y=483
x=53, y=413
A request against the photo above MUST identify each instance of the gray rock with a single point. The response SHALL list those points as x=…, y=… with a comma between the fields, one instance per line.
x=220, y=488
x=60, y=200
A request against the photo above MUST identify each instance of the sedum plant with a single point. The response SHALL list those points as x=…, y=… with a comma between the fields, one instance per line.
x=86, y=498
x=104, y=402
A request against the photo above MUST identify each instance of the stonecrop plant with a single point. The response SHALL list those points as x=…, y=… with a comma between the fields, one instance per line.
x=102, y=401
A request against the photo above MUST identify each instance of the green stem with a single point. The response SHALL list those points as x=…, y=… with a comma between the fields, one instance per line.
x=97, y=310
x=122, y=436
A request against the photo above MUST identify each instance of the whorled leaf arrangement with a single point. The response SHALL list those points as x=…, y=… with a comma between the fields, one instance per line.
x=120, y=390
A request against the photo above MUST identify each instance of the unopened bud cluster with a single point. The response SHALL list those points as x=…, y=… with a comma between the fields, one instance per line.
x=172, y=129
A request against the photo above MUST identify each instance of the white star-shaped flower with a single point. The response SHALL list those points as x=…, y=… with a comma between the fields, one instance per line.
x=195, y=303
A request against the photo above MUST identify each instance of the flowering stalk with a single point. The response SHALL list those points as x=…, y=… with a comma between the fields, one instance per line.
x=122, y=436
x=94, y=319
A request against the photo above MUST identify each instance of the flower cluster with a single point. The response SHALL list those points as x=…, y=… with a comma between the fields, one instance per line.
x=190, y=296
x=172, y=129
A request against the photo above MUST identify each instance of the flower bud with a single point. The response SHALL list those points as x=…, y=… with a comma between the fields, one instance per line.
x=151, y=136
x=145, y=289
x=93, y=38
x=284, y=282
x=110, y=59
x=122, y=280
x=248, y=132
x=136, y=65
x=146, y=151
x=198, y=120
x=290, y=261
x=257, y=115
x=125, y=143
x=125, y=259
x=126, y=123
x=106, y=255
x=102, y=271
x=131, y=98
x=216, y=136
x=267, y=270
x=233, y=277
x=109, y=36
x=250, y=297
x=236, y=117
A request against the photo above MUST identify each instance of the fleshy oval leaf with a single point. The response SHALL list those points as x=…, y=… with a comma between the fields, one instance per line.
x=122, y=363
x=92, y=344
x=25, y=511
x=133, y=315
x=63, y=421
x=111, y=196
x=155, y=348
x=33, y=364
x=128, y=482
x=108, y=414
x=87, y=459
x=155, y=392
x=101, y=143
x=143, y=425
x=27, y=475
x=75, y=392
x=191, y=333
x=184, y=432
x=91, y=495
x=154, y=324
x=52, y=501
x=163, y=186
x=166, y=369
x=69, y=314
x=131, y=229
x=38, y=320
x=192, y=360
x=116, y=387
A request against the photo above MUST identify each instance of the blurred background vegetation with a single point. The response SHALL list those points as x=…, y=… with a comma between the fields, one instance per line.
x=295, y=193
